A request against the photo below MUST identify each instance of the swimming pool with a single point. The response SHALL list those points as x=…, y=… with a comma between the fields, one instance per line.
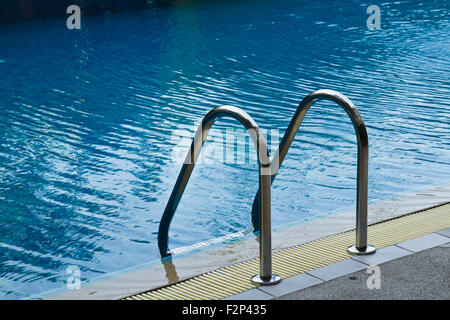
x=87, y=122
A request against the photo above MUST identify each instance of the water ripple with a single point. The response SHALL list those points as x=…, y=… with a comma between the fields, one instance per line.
x=90, y=120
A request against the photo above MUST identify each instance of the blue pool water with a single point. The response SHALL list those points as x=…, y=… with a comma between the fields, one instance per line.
x=86, y=122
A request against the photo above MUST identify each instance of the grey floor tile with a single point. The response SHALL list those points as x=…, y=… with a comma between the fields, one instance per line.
x=252, y=294
x=425, y=242
x=383, y=255
x=418, y=276
x=291, y=284
x=445, y=232
x=337, y=269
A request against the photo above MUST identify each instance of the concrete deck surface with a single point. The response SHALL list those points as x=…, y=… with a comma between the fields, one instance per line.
x=422, y=275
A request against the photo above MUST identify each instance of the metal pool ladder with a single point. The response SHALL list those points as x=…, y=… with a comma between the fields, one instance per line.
x=265, y=246
x=361, y=247
x=267, y=172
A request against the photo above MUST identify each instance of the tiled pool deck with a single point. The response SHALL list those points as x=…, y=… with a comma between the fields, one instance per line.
x=184, y=268
x=315, y=262
x=413, y=269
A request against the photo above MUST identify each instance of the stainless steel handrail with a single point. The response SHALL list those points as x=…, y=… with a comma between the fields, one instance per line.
x=265, y=247
x=361, y=247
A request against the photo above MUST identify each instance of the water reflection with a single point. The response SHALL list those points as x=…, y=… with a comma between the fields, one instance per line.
x=171, y=272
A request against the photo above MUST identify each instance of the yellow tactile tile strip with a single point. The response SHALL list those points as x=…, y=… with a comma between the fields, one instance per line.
x=292, y=261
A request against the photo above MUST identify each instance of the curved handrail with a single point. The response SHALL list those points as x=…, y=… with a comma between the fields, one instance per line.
x=265, y=246
x=361, y=246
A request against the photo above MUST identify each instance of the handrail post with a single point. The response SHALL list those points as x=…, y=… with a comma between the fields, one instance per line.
x=361, y=247
x=265, y=247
